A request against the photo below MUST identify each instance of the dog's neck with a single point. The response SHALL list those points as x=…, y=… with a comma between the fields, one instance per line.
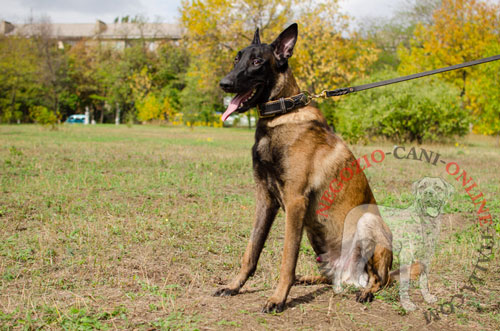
x=285, y=86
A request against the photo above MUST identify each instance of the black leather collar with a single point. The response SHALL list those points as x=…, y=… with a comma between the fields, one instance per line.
x=282, y=105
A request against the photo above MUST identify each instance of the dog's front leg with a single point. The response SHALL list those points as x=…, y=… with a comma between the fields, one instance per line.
x=266, y=210
x=295, y=212
x=404, y=287
x=424, y=286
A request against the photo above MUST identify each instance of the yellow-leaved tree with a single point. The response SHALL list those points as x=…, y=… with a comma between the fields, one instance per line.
x=326, y=54
x=485, y=96
x=460, y=31
x=214, y=31
x=153, y=109
x=140, y=83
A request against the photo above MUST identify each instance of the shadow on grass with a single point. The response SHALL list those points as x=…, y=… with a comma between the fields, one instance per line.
x=306, y=298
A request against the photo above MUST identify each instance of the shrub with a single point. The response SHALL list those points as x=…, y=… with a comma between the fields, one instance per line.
x=152, y=108
x=422, y=110
x=42, y=115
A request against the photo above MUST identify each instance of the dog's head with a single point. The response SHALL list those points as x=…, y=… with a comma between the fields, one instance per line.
x=431, y=194
x=256, y=70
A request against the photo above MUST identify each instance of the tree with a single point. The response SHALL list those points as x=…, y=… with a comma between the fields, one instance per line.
x=53, y=74
x=326, y=54
x=387, y=34
x=460, y=31
x=18, y=84
x=485, y=96
x=82, y=59
x=172, y=64
x=324, y=58
x=215, y=31
x=150, y=108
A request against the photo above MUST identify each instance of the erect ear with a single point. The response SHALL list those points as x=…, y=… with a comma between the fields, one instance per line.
x=283, y=45
x=256, y=38
x=449, y=188
x=415, y=186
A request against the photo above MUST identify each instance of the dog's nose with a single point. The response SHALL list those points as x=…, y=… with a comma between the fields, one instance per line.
x=429, y=192
x=226, y=84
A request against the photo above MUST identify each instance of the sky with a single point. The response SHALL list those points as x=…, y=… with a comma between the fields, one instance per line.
x=88, y=11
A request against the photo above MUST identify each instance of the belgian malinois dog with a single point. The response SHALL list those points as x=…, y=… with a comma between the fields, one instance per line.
x=298, y=161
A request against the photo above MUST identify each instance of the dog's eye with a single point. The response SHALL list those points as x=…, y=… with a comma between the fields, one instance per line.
x=257, y=62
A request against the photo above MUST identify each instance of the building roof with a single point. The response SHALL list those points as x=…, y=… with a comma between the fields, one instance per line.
x=98, y=30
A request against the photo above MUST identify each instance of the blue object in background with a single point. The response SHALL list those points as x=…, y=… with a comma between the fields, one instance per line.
x=77, y=118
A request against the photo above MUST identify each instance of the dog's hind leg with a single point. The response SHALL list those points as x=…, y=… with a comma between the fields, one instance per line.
x=375, y=255
x=378, y=273
x=266, y=211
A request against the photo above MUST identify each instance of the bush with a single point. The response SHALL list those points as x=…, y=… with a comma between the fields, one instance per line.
x=152, y=108
x=422, y=110
x=43, y=116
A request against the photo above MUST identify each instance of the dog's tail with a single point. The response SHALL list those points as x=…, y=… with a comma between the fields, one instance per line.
x=416, y=270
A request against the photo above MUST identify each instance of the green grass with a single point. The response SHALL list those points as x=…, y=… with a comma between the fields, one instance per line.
x=105, y=227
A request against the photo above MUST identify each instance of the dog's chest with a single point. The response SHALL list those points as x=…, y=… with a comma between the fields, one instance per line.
x=268, y=158
x=262, y=150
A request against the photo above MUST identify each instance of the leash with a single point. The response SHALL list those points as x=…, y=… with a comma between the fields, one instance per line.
x=285, y=105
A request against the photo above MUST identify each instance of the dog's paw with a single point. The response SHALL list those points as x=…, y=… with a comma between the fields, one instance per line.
x=429, y=298
x=225, y=292
x=273, y=307
x=408, y=305
x=362, y=296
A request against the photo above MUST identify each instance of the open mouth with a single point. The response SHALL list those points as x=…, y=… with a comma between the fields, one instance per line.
x=431, y=207
x=241, y=102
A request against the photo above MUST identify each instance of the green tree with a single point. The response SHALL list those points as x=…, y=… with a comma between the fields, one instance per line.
x=82, y=71
x=18, y=84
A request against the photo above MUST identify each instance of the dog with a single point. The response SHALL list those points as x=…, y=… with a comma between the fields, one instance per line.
x=297, y=159
x=416, y=233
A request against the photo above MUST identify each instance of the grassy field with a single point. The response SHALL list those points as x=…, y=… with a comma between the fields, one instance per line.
x=105, y=227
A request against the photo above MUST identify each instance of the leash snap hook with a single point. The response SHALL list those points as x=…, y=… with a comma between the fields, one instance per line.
x=321, y=95
x=311, y=96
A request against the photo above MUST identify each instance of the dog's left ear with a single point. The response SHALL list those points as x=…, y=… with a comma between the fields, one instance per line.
x=256, y=38
x=284, y=44
x=449, y=188
x=415, y=186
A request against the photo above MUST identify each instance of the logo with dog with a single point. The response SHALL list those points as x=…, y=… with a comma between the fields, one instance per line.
x=413, y=231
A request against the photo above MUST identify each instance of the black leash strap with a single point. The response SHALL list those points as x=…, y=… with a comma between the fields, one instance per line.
x=347, y=90
x=286, y=105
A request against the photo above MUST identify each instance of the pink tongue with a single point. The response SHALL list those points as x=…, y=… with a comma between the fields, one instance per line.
x=234, y=104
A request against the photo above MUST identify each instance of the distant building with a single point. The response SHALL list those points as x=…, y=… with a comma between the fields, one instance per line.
x=118, y=35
